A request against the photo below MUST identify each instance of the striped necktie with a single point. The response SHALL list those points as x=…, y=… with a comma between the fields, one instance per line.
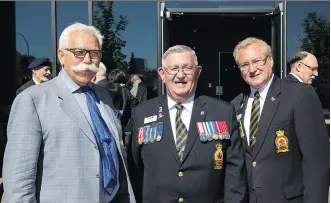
x=181, y=132
x=255, y=118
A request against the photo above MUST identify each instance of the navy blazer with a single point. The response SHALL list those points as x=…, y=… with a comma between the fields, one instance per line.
x=290, y=162
x=159, y=176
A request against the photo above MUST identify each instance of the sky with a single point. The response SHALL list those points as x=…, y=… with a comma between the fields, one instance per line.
x=33, y=21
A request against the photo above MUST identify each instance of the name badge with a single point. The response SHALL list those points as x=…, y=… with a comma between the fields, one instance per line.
x=150, y=119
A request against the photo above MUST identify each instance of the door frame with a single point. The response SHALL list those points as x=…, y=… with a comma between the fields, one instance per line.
x=164, y=15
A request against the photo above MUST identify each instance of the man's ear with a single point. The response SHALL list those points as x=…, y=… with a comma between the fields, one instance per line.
x=271, y=62
x=298, y=67
x=161, y=73
x=60, y=55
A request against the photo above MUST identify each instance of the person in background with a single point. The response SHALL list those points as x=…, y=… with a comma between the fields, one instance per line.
x=101, y=77
x=64, y=142
x=282, y=127
x=117, y=79
x=172, y=155
x=304, y=68
x=139, y=89
x=41, y=72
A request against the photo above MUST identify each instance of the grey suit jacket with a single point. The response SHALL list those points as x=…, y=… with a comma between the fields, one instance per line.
x=51, y=154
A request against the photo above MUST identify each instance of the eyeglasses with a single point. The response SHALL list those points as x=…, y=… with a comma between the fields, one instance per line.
x=81, y=53
x=255, y=63
x=311, y=68
x=187, y=70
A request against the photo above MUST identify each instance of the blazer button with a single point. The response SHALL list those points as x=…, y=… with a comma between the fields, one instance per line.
x=98, y=175
x=254, y=163
x=180, y=174
x=180, y=200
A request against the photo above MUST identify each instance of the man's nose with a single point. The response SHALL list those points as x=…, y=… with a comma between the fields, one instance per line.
x=180, y=73
x=87, y=59
x=251, y=68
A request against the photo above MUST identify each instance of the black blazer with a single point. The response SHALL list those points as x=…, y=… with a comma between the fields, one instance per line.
x=301, y=172
x=25, y=86
x=157, y=174
x=290, y=77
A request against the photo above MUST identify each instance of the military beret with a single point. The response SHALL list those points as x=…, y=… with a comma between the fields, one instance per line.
x=39, y=62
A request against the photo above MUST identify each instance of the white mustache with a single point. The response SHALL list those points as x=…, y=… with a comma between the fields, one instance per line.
x=85, y=67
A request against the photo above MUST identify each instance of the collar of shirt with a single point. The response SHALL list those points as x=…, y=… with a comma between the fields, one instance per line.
x=297, y=77
x=188, y=104
x=71, y=85
x=263, y=90
x=35, y=81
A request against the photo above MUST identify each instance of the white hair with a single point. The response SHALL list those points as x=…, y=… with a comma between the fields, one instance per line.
x=78, y=28
x=179, y=49
x=102, y=70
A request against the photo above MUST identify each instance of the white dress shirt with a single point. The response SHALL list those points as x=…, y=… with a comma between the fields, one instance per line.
x=297, y=77
x=185, y=115
x=263, y=94
x=35, y=81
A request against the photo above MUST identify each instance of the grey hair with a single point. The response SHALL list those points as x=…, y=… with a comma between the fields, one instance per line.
x=179, y=49
x=298, y=57
x=102, y=71
x=249, y=41
x=80, y=28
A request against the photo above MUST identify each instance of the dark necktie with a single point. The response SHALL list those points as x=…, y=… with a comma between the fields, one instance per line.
x=181, y=132
x=105, y=140
x=255, y=118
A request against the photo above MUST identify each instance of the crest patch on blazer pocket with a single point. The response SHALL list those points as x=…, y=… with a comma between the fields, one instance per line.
x=281, y=141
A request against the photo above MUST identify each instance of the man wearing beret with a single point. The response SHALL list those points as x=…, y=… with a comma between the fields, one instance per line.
x=41, y=72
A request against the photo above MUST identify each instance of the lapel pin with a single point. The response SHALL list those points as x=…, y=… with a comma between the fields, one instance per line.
x=202, y=113
x=272, y=98
x=160, y=115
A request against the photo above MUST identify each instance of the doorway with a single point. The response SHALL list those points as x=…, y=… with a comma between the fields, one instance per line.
x=213, y=37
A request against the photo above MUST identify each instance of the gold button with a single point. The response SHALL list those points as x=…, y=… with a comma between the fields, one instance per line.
x=254, y=164
x=180, y=200
x=180, y=174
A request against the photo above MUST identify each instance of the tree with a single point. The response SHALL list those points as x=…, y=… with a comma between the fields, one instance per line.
x=104, y=20
x=316, y=40
x=132, y=68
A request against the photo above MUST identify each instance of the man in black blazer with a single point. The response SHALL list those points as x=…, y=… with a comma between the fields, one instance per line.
x=304, y=68
x=283, y=131
x=41, y=72
x=185, y=147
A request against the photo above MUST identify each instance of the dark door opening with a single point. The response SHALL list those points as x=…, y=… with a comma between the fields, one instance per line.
x=213, y=37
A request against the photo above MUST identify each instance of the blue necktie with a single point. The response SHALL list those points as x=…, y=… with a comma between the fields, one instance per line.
x=105, y=140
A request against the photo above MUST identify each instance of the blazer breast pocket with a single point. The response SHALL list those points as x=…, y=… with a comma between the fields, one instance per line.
x=279, y=125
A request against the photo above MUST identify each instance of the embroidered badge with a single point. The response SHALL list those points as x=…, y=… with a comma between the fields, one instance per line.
x=218, y=157
x=281, y=141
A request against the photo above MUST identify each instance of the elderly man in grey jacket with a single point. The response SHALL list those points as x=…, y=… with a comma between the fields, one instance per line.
x=64, y=141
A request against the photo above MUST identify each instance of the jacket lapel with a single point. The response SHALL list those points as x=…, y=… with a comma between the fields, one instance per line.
x=242, y=110
x=268, y=112
x=168, y=136
x=199, y=113
x=71, y=108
